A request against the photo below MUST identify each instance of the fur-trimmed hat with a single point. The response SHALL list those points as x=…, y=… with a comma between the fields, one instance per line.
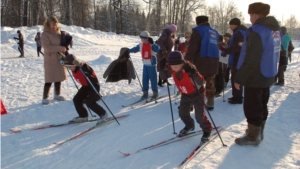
x=235, y=21
x=259, y=8
x=144, y=35
x=201, y=19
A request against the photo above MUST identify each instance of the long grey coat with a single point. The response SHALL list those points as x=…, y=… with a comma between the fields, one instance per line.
x=54, y=71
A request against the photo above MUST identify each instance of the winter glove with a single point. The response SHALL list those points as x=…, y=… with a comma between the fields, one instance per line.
x=163, y=63
x=77, y=63
x=189, y=69
x=223, y=54
x=15, y=38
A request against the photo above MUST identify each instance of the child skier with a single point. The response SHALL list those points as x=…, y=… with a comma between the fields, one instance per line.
x=148, y=52
x=86, y=93
x=188, y=80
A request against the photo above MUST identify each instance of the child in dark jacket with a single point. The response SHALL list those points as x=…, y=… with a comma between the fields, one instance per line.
x=86, y=93
x=190, y=83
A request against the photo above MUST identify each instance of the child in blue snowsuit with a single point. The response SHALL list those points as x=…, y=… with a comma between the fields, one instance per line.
x=148, y=52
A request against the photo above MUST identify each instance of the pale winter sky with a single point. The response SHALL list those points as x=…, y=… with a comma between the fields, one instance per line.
x=282, y=9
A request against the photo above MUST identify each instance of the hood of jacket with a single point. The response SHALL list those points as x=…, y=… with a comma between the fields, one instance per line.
x=269, y=22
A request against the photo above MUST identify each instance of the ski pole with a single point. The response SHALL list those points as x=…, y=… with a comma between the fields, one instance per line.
x=78, y=89
x=207, y=110
x=136, y=73
x=171, y=108
x=98, y=94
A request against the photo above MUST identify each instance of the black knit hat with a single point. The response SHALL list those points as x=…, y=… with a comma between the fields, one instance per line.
x=201, y=19
x=235, y=21
x=228, y=35
x=175, y=58
x=259, y=8
x=283, y=30
x=18, y=31
x=69, y=59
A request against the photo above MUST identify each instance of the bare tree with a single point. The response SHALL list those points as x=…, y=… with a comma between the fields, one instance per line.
x=222, y=13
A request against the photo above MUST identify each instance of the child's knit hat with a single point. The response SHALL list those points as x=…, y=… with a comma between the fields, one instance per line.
x=144, y=34
x=175, y=58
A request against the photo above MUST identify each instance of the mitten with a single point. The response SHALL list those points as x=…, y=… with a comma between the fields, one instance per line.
x=77, y=63
x=189, y=69
x=15, y=38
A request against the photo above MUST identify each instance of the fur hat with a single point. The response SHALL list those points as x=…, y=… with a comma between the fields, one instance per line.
x=172, y=28
x=235, y=21
x=259, y=8
x=201, y=19
x=144, y=35
x=175, y=58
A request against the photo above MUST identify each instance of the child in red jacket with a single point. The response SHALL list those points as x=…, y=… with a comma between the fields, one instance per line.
x=86, y=93
x=190, y=83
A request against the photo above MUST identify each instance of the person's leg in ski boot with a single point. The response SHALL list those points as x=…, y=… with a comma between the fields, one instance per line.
x=184, y=114
x=78, y=100
x=201, y=118
x=145, y=83
x=153, y=81
x=91, y=102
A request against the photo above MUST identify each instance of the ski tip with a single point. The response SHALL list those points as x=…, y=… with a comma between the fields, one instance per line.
x=15, y=130
x=125, y=154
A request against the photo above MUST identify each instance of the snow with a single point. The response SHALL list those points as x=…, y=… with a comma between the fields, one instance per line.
x=22, y=83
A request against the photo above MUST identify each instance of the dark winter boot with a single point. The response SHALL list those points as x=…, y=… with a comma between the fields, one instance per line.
x=145, y=96
x=186, y=130
x=46, y=95
x=57, y=96
x=154, y=96
x=205, y=137
x=252, y=137
x=160, y=82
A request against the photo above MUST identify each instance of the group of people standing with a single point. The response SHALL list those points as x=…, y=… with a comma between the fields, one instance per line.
x=253, y=56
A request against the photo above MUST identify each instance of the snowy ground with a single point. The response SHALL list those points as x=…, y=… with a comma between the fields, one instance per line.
x=22, y=83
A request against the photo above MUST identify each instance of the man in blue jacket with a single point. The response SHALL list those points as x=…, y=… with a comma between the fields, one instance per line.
x=203, y=52
x=257, y=67
x=234, y=50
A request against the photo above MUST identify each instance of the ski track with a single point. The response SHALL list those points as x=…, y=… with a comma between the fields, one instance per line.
x=22, y=81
